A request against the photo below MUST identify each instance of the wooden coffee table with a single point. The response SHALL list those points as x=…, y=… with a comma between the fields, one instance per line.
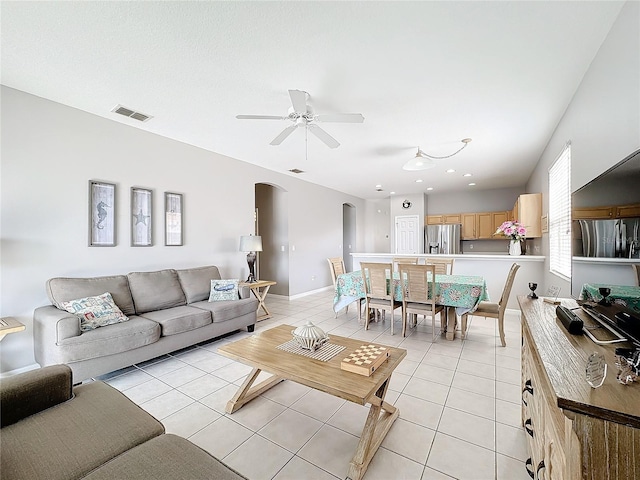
x=260, y=352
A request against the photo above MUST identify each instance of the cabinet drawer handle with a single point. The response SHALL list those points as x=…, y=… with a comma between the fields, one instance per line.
x=527, y=388
x=528, y=465
x=540, y=467
x=528, y=427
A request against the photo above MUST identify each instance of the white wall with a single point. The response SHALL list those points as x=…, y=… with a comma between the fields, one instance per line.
x=49, y=152
x=474, y=201
x=603, y=119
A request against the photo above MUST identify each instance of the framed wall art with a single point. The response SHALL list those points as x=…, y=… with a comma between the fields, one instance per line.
x=102, y=214
x=173, y=219
x=141, y=217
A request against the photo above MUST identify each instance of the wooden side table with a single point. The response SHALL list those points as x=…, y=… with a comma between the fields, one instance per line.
x=256, y=287
x=9, y=325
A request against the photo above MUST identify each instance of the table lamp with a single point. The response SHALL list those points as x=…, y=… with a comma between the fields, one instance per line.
x=251, y=244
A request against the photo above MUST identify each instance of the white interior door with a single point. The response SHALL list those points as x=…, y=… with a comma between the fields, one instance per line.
x=407, y=234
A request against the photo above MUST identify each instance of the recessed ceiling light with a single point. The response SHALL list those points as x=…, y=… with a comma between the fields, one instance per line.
x=466, y=175
x=392, y=193
x=429, y=188
x=378, y=186
x=418, y=181
x=451, y=170
x=471, y=184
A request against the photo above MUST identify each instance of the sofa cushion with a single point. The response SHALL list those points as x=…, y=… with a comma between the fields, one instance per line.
x=196, y=282
x=223, y=290
x=66, y=289
x=117, y=338
x=228, y=309
x=179, y=319
x=155, y=290
x=73, y=438
x=165, y=457
x=17, y=401
x=95, y=312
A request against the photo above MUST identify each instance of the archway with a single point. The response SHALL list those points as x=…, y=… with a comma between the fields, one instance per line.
x=272, y=224
x=348, y=234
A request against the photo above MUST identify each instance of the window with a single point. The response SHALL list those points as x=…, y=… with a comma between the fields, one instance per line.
x=560, y=215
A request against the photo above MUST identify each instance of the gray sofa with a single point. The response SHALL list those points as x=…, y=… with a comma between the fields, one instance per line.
x=167, y=309
x=52, y=431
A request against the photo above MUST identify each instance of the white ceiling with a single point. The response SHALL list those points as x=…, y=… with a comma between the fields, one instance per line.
x=422, y=73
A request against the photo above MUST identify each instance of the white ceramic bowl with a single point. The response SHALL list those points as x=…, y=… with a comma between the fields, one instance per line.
x=310, y=337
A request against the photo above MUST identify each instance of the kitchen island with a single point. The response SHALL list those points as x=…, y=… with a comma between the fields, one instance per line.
x=493, y=267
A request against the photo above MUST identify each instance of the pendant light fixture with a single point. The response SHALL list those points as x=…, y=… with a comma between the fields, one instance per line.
x=424, y=161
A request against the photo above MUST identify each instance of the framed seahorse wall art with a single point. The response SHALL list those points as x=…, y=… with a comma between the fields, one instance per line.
x=173, y=228
x=141, y=217
x=102, y=214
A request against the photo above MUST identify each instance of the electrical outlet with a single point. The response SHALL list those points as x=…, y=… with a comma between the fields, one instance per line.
x=313, y=277
x=471, y=246
x=536, y=248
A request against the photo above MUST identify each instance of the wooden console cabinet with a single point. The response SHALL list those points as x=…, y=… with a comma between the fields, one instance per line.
x=574, y=431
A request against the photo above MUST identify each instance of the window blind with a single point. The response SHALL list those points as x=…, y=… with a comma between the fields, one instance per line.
x=560, y=215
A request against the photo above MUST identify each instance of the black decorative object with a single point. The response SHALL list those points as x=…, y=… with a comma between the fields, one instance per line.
x=605, y=292
x=532, y=287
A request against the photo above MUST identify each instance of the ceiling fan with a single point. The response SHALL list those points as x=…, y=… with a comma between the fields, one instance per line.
x=302, y=115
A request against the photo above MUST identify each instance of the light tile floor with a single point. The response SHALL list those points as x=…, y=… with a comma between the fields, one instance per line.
x=459, y=404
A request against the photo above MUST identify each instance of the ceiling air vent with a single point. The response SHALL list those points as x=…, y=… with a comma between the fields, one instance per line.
x=127, y=112
x=295, y=170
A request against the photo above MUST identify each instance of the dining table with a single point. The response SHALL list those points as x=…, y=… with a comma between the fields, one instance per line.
x=625, y=295
x=462, y=293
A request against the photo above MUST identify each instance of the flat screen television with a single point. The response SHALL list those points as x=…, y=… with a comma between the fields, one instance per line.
x=604, y=249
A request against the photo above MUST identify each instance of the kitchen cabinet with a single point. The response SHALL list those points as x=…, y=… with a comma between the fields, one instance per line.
x=446, y=219
x=482, y=226
x=528, y=211
x=468, y=231
x=607, y=212
x=573, y=431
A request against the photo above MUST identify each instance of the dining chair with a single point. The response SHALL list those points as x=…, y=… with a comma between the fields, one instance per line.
x=397, y=261
x=636, y=270
x=378, y=288
x=444, y=266
x=494, y=310
x=419, y=295
x=336, y=266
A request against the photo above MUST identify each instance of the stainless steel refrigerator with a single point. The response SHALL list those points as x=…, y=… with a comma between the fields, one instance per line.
x=442, y=239
x=608, y=238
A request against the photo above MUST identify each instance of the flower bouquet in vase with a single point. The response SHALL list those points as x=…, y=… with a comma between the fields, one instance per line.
x=515, y=232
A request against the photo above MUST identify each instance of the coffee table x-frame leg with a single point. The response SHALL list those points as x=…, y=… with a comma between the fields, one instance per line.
x=381, y=417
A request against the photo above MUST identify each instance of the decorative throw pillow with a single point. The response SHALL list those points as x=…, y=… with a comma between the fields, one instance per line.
x=223, y=290
x=96, y=311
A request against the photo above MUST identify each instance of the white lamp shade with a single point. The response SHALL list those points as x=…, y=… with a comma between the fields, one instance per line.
x=250, y=243
x=419, y=163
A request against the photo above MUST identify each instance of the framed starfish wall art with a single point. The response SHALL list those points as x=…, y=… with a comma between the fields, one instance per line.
x=141, y=217
x=102, y=214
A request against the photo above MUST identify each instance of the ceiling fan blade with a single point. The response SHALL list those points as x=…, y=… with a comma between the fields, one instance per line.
x=341, y=117
x=260, y=117
x=284, y=134
x=324, y=136
x=299, y=101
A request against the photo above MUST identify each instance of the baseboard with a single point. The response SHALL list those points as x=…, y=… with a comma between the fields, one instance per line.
x=16, y=371
x=300, y=295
